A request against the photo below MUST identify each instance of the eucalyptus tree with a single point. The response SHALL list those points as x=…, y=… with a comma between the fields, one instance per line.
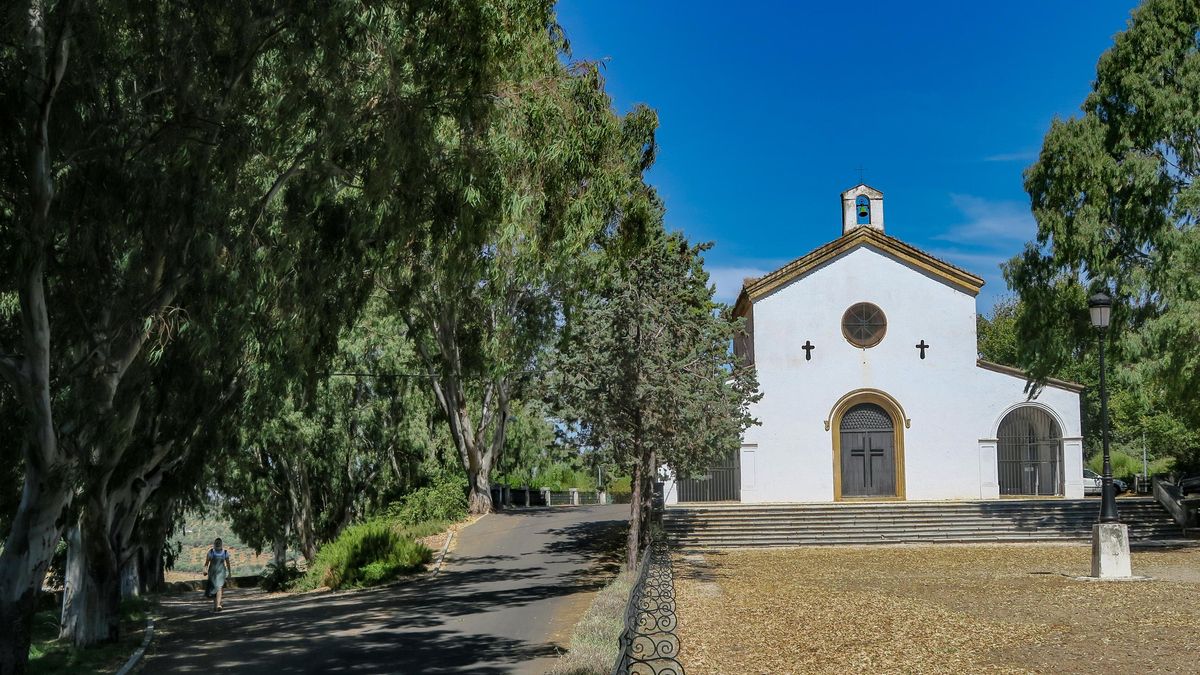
x=161, y=144
x=646, y=373
x=315, y=455
x=484, y=285
x=1115, y=196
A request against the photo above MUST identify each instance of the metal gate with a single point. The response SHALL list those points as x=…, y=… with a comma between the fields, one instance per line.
x=721, y=483
x=1029, y=454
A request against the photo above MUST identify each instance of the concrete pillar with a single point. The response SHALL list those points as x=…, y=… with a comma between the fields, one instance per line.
x=989, y=483
x=669, y=487
x=574, y=496
x=1073, y=467
x=546, y=495
x=526, y=488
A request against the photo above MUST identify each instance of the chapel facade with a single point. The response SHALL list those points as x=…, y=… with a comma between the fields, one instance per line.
x=873, y=389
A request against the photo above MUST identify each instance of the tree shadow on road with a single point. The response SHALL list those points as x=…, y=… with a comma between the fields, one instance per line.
x=406, y=628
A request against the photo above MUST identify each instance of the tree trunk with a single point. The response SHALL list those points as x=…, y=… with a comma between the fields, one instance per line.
x=632, y=544
x=279, y=546
x=151, y=574
x=131, y=576
x=479, y=500
x=302, y=521
x=649, y=475
x=35, y=532
x=300, y=502
x=92, y=593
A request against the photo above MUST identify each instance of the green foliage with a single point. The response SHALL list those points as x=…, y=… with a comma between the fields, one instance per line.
x=621, y=485
x=529, y=190
x=1116, y=199
x=565, y=477
x=444, y=500
x=646, y=375
x=647, y=367
x=363, y=555
x=997, y=334
x=1126, y=465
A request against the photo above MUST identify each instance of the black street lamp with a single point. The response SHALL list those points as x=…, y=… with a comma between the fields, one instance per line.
x=1100, y=305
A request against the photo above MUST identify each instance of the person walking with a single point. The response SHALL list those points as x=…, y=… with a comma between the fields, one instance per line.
x=216, y=566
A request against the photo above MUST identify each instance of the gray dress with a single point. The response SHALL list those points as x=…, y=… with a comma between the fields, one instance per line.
x=216, y=568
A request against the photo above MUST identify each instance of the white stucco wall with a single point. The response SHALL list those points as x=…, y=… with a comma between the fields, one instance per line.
x=953, y=405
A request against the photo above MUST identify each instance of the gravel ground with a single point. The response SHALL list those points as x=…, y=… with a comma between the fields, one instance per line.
x=936, y=609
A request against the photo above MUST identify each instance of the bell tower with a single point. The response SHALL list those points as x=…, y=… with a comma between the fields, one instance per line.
x=862, y=206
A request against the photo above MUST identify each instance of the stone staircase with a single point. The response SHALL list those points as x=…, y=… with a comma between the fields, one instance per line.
x=996, y=521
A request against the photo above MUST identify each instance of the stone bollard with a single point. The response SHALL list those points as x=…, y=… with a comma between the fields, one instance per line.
x=1110, y=551
x=546, y=495
x=526, y=489
x=574, y=496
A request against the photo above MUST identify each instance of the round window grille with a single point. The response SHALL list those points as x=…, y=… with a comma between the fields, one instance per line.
x=864, y=325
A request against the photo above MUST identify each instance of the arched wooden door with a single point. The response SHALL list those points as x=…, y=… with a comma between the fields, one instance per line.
x=868, y=452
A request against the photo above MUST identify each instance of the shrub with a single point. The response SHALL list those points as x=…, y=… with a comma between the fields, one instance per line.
x=279, y=577
x=445, y=500
x=425, y=529
x=1125, y=466
x=363, y=555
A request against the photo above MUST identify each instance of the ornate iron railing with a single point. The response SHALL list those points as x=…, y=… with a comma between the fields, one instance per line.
x=649, y=645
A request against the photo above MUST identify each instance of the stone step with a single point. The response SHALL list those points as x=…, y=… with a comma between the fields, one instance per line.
x=908, y=507
x=733, y=525
x=958, y=537
x=823, y=526
x=912, y=518
x=1146, y=531
x=765, y=523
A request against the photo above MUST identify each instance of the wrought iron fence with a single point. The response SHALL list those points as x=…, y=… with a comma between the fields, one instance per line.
x=649, y=645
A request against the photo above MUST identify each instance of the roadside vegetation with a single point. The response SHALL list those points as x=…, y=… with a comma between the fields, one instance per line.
x=49, y=655
x=593, y=647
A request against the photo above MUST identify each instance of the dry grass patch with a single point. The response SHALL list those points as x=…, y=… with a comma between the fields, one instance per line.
x=935, y=609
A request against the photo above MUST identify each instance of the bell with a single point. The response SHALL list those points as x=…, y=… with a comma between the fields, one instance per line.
x=863, y=212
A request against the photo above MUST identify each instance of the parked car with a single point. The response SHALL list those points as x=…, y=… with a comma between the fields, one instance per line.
x=1093, y=483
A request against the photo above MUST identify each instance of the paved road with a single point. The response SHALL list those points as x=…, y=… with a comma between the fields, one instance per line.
x=504, y=603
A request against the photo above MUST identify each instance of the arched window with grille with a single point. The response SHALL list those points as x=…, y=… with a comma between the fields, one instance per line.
x=1030, y=453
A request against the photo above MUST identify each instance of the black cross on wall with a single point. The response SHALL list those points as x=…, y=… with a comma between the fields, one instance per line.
x=808, y=346
x=922, y=346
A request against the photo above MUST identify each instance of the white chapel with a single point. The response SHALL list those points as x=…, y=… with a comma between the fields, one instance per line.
x=866, y=356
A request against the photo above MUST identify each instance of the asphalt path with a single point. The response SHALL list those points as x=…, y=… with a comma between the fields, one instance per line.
x=505, y=602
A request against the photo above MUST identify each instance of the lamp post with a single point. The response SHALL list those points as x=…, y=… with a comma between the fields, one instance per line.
x=1100, y=306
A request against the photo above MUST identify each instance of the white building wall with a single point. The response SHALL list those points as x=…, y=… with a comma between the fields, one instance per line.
x=953, y=405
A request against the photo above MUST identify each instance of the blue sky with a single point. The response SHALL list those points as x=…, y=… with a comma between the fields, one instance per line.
x=767, y=110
